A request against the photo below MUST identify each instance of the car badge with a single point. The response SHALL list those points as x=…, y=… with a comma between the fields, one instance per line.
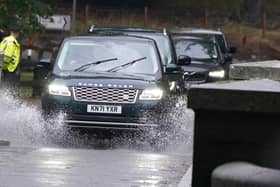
x=125, y=97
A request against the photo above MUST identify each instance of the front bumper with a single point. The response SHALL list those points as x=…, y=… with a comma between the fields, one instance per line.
x=203, y=79
x=108, y=125
x=134, y=116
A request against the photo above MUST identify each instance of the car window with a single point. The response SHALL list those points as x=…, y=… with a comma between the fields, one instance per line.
x=76, y=53
x=221, y=41
x=165, y=49
x=163, y=44
x=196, y=49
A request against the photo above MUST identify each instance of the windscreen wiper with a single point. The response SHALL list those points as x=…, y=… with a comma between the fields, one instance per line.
x=117, y=68
x=86, y=66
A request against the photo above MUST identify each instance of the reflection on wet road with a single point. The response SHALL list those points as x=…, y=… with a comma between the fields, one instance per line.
x=81, y=167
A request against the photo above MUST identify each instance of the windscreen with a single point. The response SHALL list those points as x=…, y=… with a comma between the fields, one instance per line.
x=108, y=55
x=196, y=49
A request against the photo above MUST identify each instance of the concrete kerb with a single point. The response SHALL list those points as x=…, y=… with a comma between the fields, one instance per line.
x=256, y=70
x=244, y=174
x=4, y=143
x=187, y=179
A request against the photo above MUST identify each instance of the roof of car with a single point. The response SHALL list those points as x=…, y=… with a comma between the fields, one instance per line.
x=137, y=32
x=195, y=38
x=195, y=31
x=116, y=35
x=93, y=29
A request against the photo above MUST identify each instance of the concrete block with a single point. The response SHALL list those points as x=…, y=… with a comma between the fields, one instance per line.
x=243, y=174
x=256, y=70
x=244, y=96
x=234, y=121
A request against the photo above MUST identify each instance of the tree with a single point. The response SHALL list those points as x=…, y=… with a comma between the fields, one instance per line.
x=218, y=9
x=23, y=13
x=252, y=10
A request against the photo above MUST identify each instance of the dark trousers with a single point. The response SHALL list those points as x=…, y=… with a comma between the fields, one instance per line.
x=10, y=81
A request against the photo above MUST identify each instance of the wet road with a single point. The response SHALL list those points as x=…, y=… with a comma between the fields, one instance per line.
x=39, y=158
x=44, y=167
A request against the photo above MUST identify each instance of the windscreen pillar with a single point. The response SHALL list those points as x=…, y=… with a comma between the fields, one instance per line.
x=235, y=121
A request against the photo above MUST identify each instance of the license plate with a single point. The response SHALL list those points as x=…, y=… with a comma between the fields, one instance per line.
x=105, y=109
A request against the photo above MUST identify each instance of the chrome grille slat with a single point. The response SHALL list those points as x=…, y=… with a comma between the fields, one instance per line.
x=107, y=95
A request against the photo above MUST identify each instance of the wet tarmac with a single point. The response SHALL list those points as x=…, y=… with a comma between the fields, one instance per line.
x=44, y=167
x=37, y=157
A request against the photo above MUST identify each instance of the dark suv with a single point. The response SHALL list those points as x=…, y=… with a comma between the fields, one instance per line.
x=161, y=37
x=219, y=36
x=109, y=81
x=207, y=61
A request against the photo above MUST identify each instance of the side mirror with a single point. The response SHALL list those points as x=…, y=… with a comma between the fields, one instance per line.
x=42, y=68
x=228, y=58
x=232, y=50
x=40, y=73
x=173, y=72
x=183, y=60
x=172, y=68
x=44, y=63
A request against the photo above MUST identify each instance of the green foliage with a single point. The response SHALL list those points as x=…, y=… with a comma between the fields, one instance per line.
x=23, y=13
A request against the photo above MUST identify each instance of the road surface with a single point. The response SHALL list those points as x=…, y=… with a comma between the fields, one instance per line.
x=39, y=159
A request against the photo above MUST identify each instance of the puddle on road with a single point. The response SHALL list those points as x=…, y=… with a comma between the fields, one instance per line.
x=23, y=125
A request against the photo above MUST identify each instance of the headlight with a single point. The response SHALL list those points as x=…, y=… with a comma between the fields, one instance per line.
x=56, y=89
x=172, y=85
x=151, y=94
x=217, y=74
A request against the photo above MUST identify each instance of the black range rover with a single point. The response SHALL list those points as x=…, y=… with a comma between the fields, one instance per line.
x=109, y=81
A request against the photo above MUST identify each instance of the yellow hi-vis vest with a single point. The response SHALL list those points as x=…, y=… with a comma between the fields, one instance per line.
x=11, y=53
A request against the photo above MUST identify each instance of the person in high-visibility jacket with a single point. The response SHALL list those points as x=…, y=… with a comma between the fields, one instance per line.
x=10, y=50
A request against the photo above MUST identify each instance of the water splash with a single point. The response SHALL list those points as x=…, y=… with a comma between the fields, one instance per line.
x=178, y=120
x=23, y=125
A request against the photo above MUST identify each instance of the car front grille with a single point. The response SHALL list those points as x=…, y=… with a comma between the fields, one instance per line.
x=107, y=95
